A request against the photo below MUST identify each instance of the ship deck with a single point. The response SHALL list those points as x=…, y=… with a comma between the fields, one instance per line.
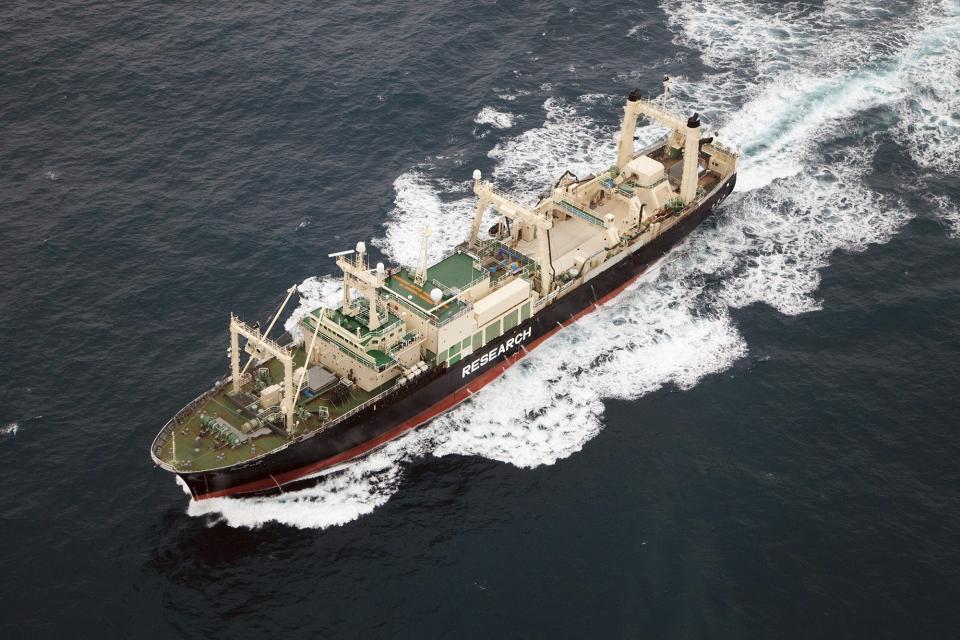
x=193, y=449
x=455, y=272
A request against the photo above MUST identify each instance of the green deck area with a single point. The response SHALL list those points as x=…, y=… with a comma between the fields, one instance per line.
x=381, y=358
x=345, y=321
x=193, y=454
x=453, y=272
x=352, y=324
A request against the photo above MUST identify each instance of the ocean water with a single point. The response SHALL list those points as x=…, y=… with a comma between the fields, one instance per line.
x=758, y=439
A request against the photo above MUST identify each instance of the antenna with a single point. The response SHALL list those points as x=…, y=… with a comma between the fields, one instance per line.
x=340, y=253
x=361, y=255
x=424, y=246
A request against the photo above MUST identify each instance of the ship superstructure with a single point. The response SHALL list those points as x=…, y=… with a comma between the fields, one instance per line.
x=406, y=344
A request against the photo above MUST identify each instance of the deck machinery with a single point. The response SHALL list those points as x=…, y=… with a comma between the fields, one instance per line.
x=403, y=346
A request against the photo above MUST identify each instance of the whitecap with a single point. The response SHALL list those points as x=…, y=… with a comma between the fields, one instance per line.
x=494, y=118
x=948, y=212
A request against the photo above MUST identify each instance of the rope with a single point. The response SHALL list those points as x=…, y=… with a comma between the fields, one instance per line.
x=272, y=322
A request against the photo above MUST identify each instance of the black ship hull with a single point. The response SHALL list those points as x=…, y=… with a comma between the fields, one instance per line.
x=444, y=389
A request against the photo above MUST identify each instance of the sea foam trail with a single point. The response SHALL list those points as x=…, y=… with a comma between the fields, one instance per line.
x=929, y=123
x=794, y=206
x=901, y=58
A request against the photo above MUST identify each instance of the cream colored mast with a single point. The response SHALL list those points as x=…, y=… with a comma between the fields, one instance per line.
x=690, y=130
x=421, y=276
x=306, y=361
x=357, y=275
x=541, y=221
x=481, y=208
x=264, y=344
x=270, y=327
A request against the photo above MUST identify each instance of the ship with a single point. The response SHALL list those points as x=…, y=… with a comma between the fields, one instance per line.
x=405, y=344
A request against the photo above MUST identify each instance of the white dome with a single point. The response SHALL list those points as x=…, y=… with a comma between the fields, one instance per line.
x=436, y=295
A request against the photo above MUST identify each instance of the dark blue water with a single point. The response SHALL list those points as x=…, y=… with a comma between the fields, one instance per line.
x=759, y=441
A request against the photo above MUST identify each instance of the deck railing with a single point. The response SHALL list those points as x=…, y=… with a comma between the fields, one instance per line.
x=580, y=213
x=412, y=306
x=467, y=306
x=404, y=344
x=354, y=411
x=369, y=363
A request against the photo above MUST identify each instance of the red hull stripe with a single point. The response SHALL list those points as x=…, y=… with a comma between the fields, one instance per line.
x=426, y=415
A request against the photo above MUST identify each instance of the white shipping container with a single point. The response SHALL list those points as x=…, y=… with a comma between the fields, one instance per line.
x=270, y=397
x=508, y=296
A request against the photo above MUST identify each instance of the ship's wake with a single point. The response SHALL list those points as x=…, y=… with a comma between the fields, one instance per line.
x=811, y=95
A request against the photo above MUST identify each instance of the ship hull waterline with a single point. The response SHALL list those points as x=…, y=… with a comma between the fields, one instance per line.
x=362, y=433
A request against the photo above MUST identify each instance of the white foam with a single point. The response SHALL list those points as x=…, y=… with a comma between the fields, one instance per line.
x=418, y=204
x=568, y=140
x=781, y=126
x=335, y=499
x=10, y=429
x=494, y=118
x=782, y=235
x=510, y=96
x=929, y=124
x=314, y=292
x=796, y=71
x=948, y=211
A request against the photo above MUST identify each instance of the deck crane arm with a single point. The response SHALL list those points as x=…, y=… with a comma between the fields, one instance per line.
x=542, y=221
x=272, y=322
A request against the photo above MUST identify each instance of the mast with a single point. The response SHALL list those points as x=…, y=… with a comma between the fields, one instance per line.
x=690, y=130
x=357, y=275
x=478, y=216
x=421, y=276
x=541, y=221
x=263, y=344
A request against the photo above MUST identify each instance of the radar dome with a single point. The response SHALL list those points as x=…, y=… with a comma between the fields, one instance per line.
x=436, y=295
x=361, y=248
x=476, y=174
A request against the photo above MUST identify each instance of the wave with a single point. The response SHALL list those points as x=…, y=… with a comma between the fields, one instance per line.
x=418, y=204
x=494, y=118
x=948, y=211
x=803, y=77
x=338, y=498
x=314, y=292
